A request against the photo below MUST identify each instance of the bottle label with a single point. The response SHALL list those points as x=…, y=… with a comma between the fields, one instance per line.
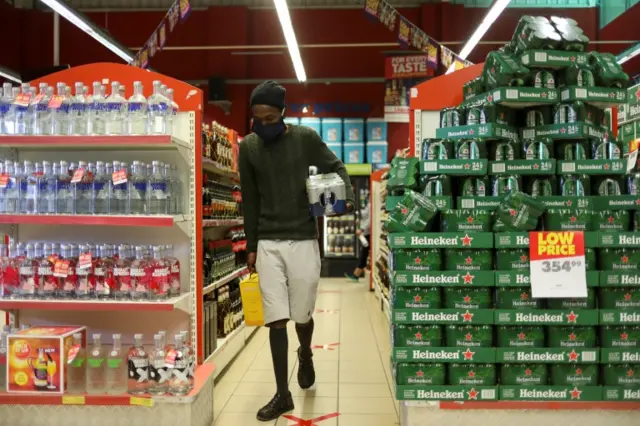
x=136, y=272
x=45, y=270
x=136, y=106
x=140, y=186
x=41, y=107
x=78, y=107
x=158, y=372
x=4, y=180
x=61, y=268
x=71, y=356
x=138, y=369
x=77, y=175
x=84, y=262
x=64, y=108
x=26, y=270
x=121, y=272
x=113, y=106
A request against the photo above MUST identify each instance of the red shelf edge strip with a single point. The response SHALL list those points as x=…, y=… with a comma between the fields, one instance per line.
x=539, y=405
x=86, y=220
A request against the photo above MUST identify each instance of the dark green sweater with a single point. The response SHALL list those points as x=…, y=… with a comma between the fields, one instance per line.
x=273, y=179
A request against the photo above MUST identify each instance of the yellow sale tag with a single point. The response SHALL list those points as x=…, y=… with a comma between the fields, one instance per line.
x=73, y=400
x=142, y=402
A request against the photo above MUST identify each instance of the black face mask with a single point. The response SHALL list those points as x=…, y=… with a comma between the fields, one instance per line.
x=269, y=132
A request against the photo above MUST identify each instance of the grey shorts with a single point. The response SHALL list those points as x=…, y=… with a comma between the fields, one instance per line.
x=289, y=273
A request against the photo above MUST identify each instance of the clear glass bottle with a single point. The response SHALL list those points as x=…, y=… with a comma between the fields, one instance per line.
x=21, y=110
x=48, y=283
x=175, y=288
x=77, y=367
x=4, y=262
x=190, y=356
x=10, y=115
x=64, y=193
x=179, y=383
x=138, y=364
x=158, y=109
x=158, y=190
x=96, y=368
x=122, y=274
x=3, y=360
x=67, y=284
x=140, y=275
x=29, y=274
x=101, y=190
x=159, y=373
x=83, y=190
x=137, y=114
x=104, y=273
x=11, y=273
x=138, y=201
x=28, y=189
x=59, y=109
x=85, y=288
x=47, y=189
x=41, y=118
x=120, y=202
x=116, y=368
x=11, y=192
x=96, y=116
x=172, y=117
x=78, y=112
x=5, y=106
x=159, y=288
x=115, y=112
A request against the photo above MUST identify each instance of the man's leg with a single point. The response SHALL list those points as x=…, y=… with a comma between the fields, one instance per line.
x=302, y=260
x=275, y=300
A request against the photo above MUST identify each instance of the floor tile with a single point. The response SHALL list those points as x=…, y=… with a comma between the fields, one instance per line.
x=365, y=406
x=368, y=420
x=240, y=419
x=368, y=390
x=252, y=403
x=294, y=422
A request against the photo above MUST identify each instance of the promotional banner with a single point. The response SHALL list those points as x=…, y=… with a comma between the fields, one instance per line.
x=401, y=74
x=557, y=264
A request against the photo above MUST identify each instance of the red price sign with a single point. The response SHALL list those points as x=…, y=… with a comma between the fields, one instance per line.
x=4, y=180
x=55, y=102
x=61, y=268
x=77, y=175
x=84, y=261
x=119, y=177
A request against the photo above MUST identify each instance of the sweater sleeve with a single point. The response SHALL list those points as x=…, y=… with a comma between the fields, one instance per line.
x=250, y=198
x=327, y=162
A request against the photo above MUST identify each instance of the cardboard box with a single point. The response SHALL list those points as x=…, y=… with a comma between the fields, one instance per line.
x=37, y=358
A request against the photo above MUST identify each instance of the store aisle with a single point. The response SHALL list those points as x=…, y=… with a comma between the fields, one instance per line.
x=352, y=367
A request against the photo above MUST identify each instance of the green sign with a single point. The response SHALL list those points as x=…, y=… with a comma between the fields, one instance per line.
x=430, y=354
x=547, y=317
x=551, y=393
x=546, y=355
x=553, y=58
x=454, y=167
x=444, y=278
x=616, y=202
x=442, y=316
x=485, y=131
x=441, y=240
x=523, y=97
x=560, y=202
x=618, y=393
x=601, y=97
x=523, y=167
x=619, y=239
x=620, y=356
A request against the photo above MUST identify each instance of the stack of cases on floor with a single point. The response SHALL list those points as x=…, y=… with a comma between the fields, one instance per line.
x=464, y=324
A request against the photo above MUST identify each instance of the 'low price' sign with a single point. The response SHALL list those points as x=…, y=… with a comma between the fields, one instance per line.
x=557, y=264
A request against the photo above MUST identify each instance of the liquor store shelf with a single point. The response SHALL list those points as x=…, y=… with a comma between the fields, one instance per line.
x=202, y=374
x=94, y=142
x=92, y=220
x=222, y=281
x=386, y=307
x=210, y=166
x=181, y=303
x=208, y=223
x=229, y=346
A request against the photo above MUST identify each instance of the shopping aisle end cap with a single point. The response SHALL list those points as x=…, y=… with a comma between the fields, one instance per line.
x=444, y=91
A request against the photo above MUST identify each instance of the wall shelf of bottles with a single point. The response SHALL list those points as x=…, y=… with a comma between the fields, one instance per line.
x=93, y=220
x=211, y=166
x=210, y=223
x=224, y=280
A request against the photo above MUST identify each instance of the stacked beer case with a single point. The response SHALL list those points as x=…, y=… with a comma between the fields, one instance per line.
x=464, y=323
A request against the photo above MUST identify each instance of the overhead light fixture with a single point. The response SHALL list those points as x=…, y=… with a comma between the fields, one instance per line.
x=629, y=54
x=290, y=37
x=9, y=75
x=496, y=10
x=79, y=20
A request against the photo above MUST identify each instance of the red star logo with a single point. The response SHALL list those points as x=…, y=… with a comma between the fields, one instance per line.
x=573, y=356
x=638, y=93
x=467, y=299
x=420, y=373
x=502, y=115
x=521, y=336
x=544, y=94
x=468, y=260
x=466, y=241
x=527, y=372
x=470, y=219
x=468, y=278
x=638, y=202
x=524, y=258
x=418, y=336
x=606, y=166
x=573, y=59
x=468, y=355
x=624, y=259
x=467, y=166
x=627, y=297
x=611, y=219
x=569, y=203
x=473, y=394
x=493, y=70
x=468, y=337
x=578, y=372
x=624, y=336
x=572, y=337
x=417, y=260
x=524, y=296
x=536, y=166
x=471, y=373
x=611, y=95
x=575, y=393
x=572, y=317
x=489, y=98
x=417, y=298
x=471, y=132
x=573, y=218
x=630, y=373
x=466, y=317
x=563, y=130
x=404, y=210
x=512, y=212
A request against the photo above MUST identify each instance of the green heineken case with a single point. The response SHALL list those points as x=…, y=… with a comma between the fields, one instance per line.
x=571, y=337
x=467, y=298
x=435, y=185
x=618, y=259
x=517, y=298
x=420, y=373
x=505, y=150
x=524, y=374
x=415, y=297
x=623, y=375
x=423, y=259
x=437, y=149
x=470, y=149
x=612, y=221
x=572, y=150
x=466, y=220
x=575, y=374
x=607, y=71
x=471, y=374
x=412, y=214
x=569, y=220
x=607, y=185
x=620, y=336
x=606, y=150
x=468, y=260
x=574, y=303
x=538, y=186
x=475, y=187
x=521, y=336
x=504, y=184
x=520, y=212
x=537, y=149
x=469, y=336
x=575, y=185
x=405, y=335
x=619, y=298
x=512, y=259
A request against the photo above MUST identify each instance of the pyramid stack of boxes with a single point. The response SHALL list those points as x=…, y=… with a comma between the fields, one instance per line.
x=529, y=149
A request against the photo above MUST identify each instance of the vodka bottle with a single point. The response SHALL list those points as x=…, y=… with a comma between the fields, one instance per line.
x=138, y=201
x=176, y=190
x=29, y=274
x=77, y=367
x=141, y=272
x=10, y=115
x=28, y=189
x=4, y=261
x=85, y=288
x=2, y=201
x=157, y=110
x=67, y=283
x=83, y=190
x=122, y=274
x=104, y=273
x=116, y=368
x=120, y=202
x=41, y=116
x=138, y=368
x=6, y=101
x=11, y=273
x=159, y=373
x=190, y=356
x=21, y=110
x=47, y=188
x=59, y=107
x=78, y=112
x=96, y=368
x=137, y=116
x=158, y=190
x=48, y=283
x=179, y=383
x=3, y=359
x=166, y=174
x=101, y=189
x=64, y=193
x=159, y=287
x=115, y=112
x=11, y=192
x=174, y=271
x=96, y=113
x=172, y=117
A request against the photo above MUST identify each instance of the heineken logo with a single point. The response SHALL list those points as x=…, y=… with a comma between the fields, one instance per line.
x=523, y=279
x=526, y=356
x=631, y=394
x=540, y=317
x=631, y=356
x=443, y=279
x=441, y=316
x=440, y=241
x=629, y=317
x=527, y=393
x=443, y=355
x=630, y=240
x=433, y=394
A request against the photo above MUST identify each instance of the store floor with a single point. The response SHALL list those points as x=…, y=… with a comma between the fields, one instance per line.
x=352, y=368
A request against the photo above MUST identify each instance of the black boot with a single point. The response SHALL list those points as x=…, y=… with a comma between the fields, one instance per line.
x=278, y=405
x=306, y=372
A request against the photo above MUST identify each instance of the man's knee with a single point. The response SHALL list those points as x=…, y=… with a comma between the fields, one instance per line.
x=278, y=324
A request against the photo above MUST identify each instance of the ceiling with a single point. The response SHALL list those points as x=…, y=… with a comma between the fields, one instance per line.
x=164, y=4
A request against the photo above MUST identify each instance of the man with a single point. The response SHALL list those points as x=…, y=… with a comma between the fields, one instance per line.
x=282, y=238
x=363, y=233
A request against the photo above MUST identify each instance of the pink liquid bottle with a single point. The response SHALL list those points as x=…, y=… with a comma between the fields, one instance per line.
x=159, y=275
x=174, y=272
x=103, y=272
x=68, y=278
x=85, y=271
x=48, y=286
x=122, y=273
x=10, y=279
x=28, y=271
x=141, y=271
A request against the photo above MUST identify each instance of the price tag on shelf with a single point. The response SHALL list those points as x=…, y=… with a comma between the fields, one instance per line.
x=73, y=400
x=61, y=268
x=119, y=177
x=55, y=101
x=141, y=402
x=4, y=180
x=84, y=260
x=77, y=175
x=22, y=100
x=557, y=264
x=632, y=159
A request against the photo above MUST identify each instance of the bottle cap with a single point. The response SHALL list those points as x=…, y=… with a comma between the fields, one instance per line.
x=137, y=336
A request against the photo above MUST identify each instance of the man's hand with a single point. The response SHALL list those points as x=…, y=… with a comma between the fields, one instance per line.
x=349, y=207
x=358, y=232
x=251, y=262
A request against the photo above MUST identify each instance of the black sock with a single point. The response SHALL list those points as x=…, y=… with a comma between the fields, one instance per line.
x=279, y=347
x=305, y=333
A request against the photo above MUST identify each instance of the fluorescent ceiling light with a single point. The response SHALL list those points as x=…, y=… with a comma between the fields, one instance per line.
x=628, y=54
x=290, y=37
x=10, y=75
x=496, y=10
x=82, y=22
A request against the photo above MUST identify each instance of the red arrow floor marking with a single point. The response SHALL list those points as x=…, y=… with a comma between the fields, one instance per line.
x=327, y=311
x=310, y=422
x=328, y=347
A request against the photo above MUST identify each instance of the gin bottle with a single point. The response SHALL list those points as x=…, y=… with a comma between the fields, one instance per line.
x=190, y=356
x=120, y=202
x=138, y=368
x=116, y=368
x=122, y=274
x=21, y=110
x=48, y=283
x=96, y=113
x=64, y=194
x=96, y=368
x=115, y=112
x=158, y=190
x=104, y=273
x=137, y=116
x=158, y=109
x=77, y=367
x=141, y=272
x=85, y=288
x=138, y=201
x=59, y=108
x=159, y=373
x=174, y=271
x=41, y=118
x=78, y=112
x=83, y=190
x=179, y=383
x=11, y=192
x=29, y=274
x=101, y=189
